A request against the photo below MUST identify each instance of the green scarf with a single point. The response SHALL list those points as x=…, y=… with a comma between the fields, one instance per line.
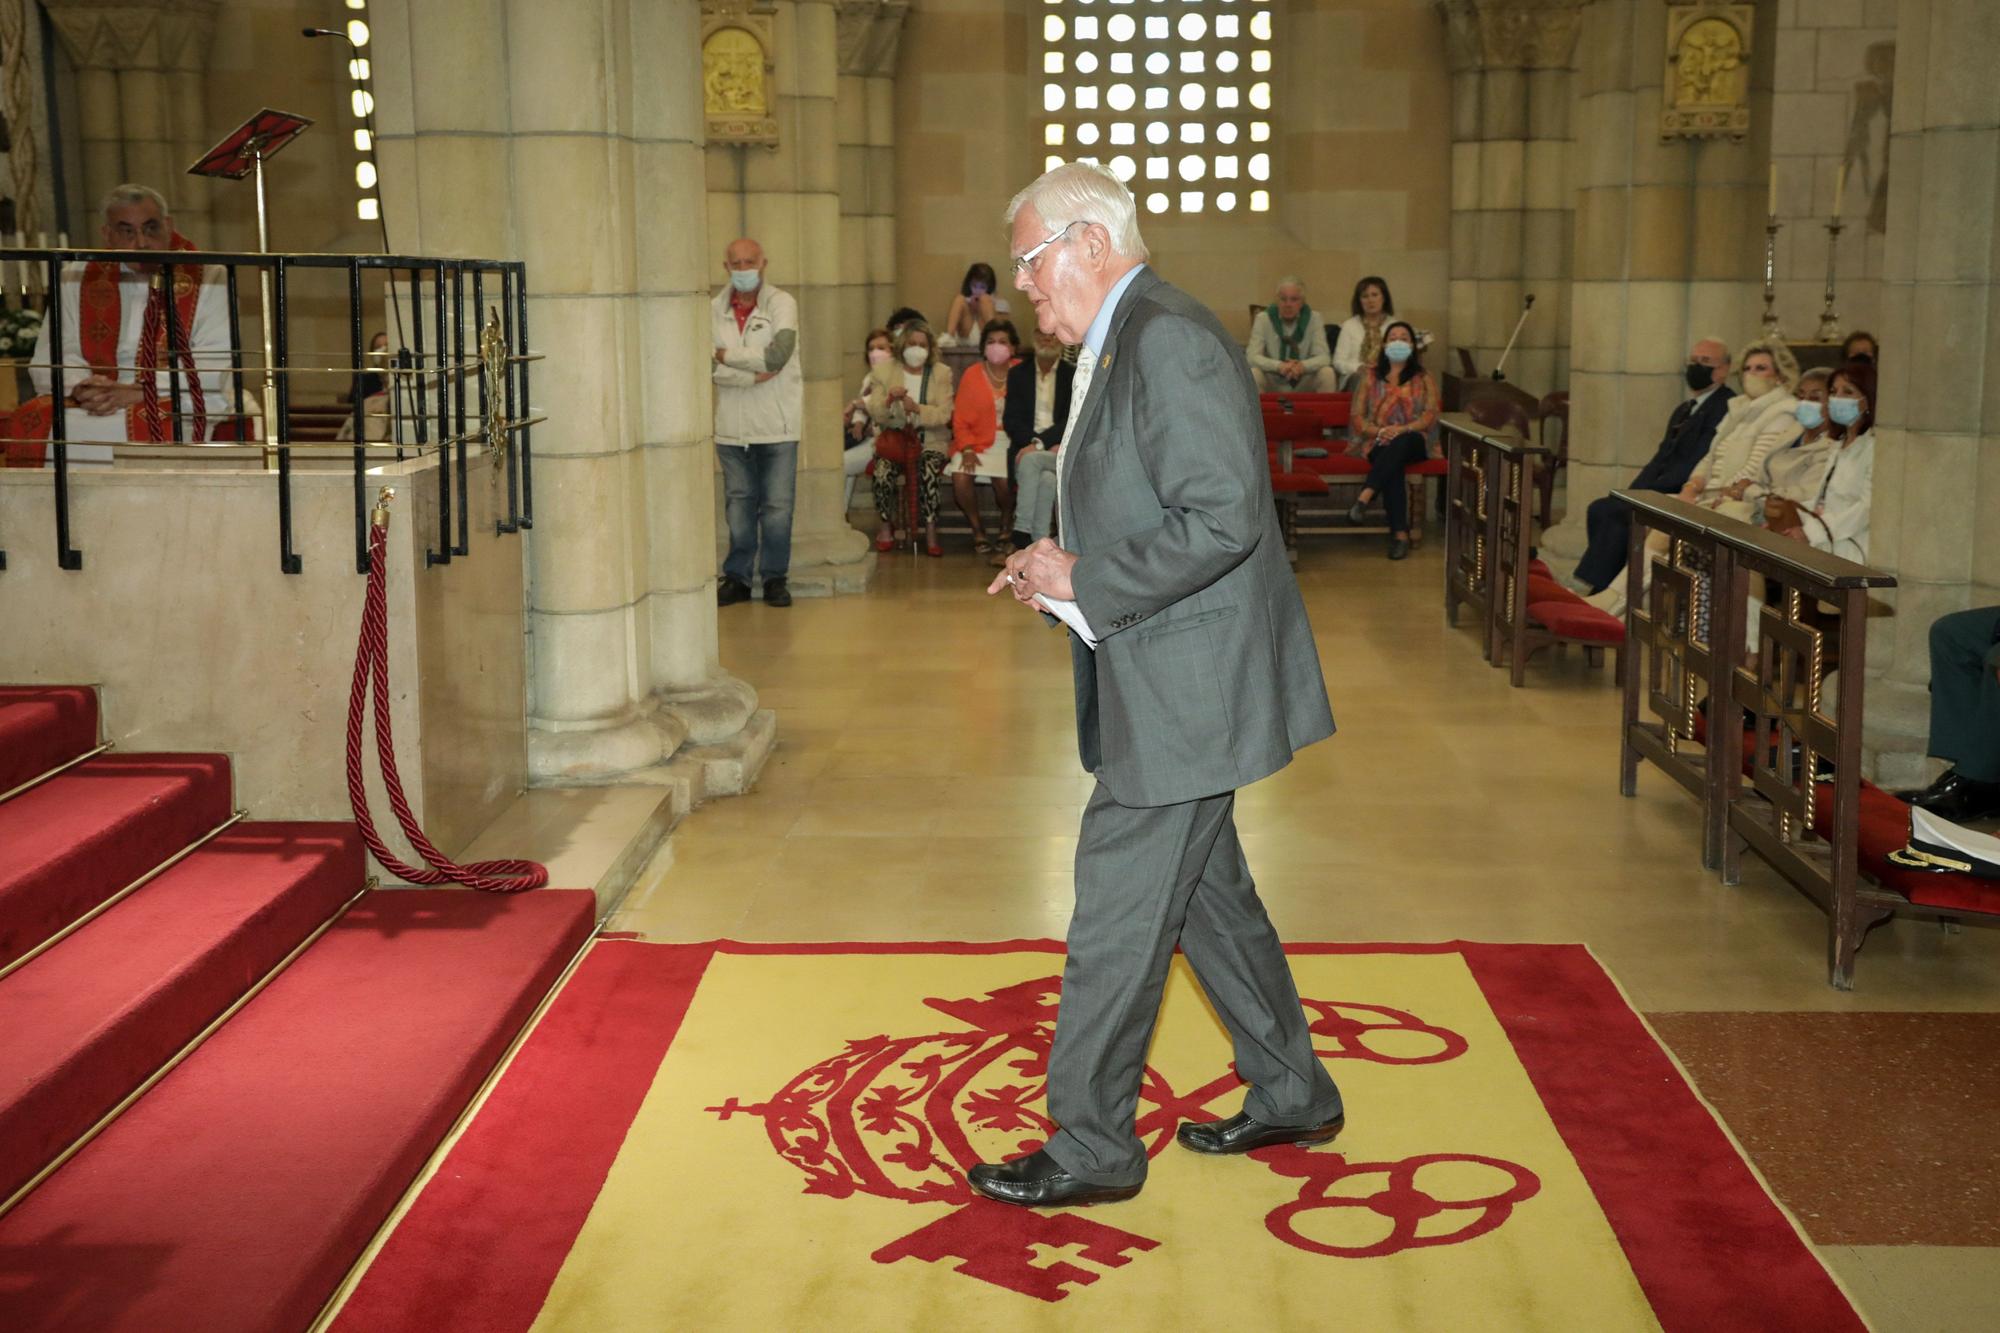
x=1291, y=346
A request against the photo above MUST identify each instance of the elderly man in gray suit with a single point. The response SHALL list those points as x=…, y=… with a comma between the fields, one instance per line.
x=1197, y=676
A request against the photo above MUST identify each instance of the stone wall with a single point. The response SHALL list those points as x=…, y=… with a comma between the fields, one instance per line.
x=1833, y=88
x=1360, y=177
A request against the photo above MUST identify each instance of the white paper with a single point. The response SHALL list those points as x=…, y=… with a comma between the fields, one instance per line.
x=1071, y=615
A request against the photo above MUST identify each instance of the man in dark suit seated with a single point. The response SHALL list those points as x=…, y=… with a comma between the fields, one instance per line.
x=1037, y=407
x=1690, y=430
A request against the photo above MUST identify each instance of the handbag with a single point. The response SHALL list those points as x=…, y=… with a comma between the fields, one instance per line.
x=900, y=447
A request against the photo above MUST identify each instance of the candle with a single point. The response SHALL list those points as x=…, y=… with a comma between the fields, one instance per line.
x=1839, y=188
x=1771, y=208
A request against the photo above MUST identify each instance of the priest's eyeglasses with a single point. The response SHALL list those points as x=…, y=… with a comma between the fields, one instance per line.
x=1025, y=265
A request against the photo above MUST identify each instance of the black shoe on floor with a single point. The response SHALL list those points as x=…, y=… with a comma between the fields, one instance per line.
x=1962, y=800
x=776, y=593
x=1241, y=1133
x=1917, y=795
x=1036, y=1181
x=1399, y=548
x=728, y=592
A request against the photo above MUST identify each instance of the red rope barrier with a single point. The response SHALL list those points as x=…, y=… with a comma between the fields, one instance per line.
x=371, y=667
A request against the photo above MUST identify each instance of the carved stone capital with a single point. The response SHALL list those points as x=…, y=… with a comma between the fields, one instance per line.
x=134, y=34
x=869, y=32
x=1510, y=34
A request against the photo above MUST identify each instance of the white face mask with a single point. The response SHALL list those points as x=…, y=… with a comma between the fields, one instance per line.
x=915, y=356
x=1755, y=386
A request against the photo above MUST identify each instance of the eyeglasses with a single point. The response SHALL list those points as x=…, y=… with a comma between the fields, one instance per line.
x=1026, y=263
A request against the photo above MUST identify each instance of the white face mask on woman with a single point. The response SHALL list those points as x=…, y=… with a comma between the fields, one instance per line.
x=915, y=356
x=1755, y=386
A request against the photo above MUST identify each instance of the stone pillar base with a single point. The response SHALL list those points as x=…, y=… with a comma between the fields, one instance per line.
x=830, y=564
x=716, y=713
x=700, y=773
x=1896, y=729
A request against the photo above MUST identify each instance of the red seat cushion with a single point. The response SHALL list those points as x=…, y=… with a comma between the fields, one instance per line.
x=1430, y=467
x=1541, y=567
x=1333, y=465
x=1297, y=483
x=1578, y=620
x=1548, y=590
x=1884, y=827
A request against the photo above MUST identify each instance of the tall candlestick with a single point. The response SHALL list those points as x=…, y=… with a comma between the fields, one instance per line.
x=1771, y=278
x=1771, y=207
x=1839, y=188
x=1829, y=318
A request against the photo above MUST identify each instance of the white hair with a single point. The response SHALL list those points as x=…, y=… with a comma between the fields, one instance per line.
x=124, y=195
x=1288, y=281
x=1084, y=192
x=1711, y=338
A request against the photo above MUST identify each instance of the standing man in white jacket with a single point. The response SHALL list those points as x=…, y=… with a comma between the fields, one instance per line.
x=759, y=401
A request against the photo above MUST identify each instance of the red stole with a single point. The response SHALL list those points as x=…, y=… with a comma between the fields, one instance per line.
x=100, y=312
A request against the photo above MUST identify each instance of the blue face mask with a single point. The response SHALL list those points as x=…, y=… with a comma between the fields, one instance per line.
x=1811, y=415
x=1399, y=352
x=1844, y=411
x=746, y=279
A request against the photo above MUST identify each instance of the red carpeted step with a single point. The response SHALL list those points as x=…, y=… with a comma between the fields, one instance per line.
x=94, y=1017
x=43, y=727
x=72, y=842
x=237, y=1193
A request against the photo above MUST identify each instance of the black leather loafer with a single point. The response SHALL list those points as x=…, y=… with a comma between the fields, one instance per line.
x=776, y=593
x=1961, y=799
x=1037, y=1181
x=1241, y=1133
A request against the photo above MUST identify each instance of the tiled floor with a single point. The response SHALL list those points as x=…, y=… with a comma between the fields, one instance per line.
x=926, y=786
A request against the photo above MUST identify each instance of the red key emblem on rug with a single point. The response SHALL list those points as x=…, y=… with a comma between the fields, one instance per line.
x=1381, y=1208
x=1000, y=1244
x=895, y=1117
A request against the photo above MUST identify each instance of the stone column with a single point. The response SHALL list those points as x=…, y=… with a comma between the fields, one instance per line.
x=1668, y=249
x=1935, y=518
x=1511, y=222
x=788, y=199
x=139, y=99
x=870, y=33
x=519, y=110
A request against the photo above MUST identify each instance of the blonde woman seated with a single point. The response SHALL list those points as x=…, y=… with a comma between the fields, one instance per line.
x=1760, y=420
x=911, y=393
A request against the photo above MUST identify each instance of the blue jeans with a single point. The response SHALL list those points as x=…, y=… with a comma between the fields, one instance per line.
x=758, y=484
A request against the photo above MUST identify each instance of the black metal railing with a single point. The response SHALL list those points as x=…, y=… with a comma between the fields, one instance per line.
x=428, y=400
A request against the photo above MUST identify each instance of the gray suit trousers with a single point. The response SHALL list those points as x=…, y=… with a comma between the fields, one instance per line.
x=1147, y=878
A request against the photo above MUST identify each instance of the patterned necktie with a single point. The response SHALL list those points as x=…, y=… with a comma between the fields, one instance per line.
x=1086, y=362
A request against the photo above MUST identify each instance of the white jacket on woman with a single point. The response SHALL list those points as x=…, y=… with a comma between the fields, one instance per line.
x=747, y=412
x=1750, y=430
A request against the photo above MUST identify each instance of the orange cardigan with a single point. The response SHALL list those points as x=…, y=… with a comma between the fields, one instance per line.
x=975, y=419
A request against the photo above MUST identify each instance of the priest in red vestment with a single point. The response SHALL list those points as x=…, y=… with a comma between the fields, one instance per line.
x=117, y=349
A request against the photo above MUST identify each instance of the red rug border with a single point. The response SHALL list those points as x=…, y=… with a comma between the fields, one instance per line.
x=1688, y=1236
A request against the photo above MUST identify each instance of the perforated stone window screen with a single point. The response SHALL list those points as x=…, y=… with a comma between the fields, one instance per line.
x=1173, y=95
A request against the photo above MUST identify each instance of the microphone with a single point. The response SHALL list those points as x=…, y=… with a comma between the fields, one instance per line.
x=1527, y=305
x=325, y=32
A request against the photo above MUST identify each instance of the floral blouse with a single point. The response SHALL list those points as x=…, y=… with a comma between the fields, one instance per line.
x=1412, y=405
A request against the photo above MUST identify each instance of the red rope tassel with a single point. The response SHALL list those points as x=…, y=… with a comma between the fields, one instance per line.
x=371, y=667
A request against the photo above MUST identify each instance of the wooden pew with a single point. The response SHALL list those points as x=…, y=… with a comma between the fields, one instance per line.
x=1763, y=787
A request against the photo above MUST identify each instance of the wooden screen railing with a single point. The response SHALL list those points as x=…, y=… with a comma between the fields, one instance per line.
x=1465, y=522
x=1692, y=625
x=1490, y=492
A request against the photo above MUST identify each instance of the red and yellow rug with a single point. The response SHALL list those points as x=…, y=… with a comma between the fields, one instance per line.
x=740, y=1136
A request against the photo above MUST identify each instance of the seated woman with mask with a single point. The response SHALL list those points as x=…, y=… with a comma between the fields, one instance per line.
x=911, y=393
x=1394, y=424
x=1792, y=473
x=1830, y=512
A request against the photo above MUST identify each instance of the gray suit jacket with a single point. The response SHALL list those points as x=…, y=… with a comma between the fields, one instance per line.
x=1205, y=676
